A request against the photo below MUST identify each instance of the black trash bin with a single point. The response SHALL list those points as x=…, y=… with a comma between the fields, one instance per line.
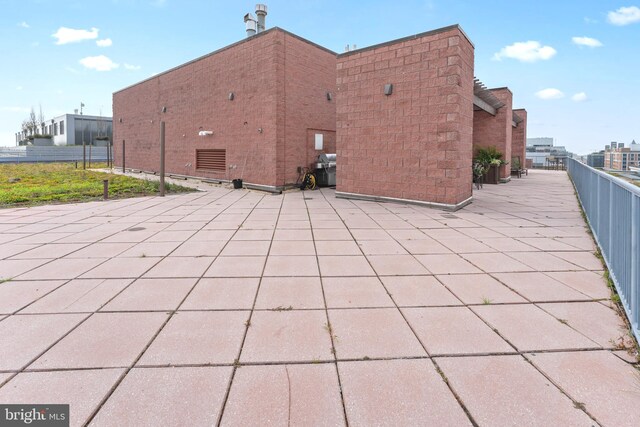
x=237, y=183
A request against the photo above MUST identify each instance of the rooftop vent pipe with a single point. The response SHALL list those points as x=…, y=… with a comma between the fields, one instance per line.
x=251, y=24
x=261, y=12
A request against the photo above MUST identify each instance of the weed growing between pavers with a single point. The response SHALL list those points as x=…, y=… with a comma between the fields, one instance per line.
x=33, y=184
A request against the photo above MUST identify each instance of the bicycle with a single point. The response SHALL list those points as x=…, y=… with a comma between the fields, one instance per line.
x=306, y=180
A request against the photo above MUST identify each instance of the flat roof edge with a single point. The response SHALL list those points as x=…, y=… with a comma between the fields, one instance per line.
x=412, y=37
x=222, y=49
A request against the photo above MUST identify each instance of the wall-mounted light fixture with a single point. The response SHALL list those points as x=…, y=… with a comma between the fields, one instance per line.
x=388, y=89
x=259, y=130
x=164, y=109
x=329, y=96
x=231, y=96
x=205, y=133
x=120, y=120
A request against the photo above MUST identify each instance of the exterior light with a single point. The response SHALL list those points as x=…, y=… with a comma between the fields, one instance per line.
x=205, y=133
x=231, y=96
x=329, y=96
x=388, y=89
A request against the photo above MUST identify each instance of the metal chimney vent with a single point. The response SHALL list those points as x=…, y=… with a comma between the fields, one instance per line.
x=251, y=24
x=261, y=13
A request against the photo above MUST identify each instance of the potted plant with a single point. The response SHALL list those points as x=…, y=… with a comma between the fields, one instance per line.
x=478, y=174
x=491, y=160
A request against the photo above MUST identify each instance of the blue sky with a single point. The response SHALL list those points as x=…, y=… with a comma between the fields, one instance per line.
x=574, y=65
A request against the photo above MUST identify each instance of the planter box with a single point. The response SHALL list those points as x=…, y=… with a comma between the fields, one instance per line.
x=493, y=175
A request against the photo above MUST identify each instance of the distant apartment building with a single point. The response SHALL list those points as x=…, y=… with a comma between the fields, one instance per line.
x=619, y=157
x=596, y=160
x=70, y=129
x=542, y=152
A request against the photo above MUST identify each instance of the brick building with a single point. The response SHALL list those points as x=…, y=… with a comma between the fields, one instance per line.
x=399, y=115
x=519, y=136
x=621, y=158
x=250, y=110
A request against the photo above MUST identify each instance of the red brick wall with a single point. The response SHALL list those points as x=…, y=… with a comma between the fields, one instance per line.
x=309, y=73
x=519, y=137
x=266, y=73
x=416, y=143
x=496, y=130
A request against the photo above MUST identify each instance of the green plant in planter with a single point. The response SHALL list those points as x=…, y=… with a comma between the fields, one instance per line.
x=489, y=156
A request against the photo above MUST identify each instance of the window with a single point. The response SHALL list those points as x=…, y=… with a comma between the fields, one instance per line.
x=211, y=160
x=62, y=127
x=55, y=128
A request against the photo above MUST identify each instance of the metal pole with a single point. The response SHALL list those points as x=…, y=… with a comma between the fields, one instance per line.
x=84, y=147
x=123, y=158
x=162, y=159
x=105, y=189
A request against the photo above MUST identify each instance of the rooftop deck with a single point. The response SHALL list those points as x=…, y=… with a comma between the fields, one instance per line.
x=243, y=308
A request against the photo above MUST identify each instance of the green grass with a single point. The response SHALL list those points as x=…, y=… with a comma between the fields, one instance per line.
x=43, y=183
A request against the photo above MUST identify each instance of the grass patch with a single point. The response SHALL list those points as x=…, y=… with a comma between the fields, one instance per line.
x=28, y=184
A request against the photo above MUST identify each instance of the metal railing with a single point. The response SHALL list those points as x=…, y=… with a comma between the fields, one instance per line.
x=612, y=207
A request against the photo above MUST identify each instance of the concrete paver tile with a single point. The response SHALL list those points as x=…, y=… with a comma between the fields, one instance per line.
x=409, y=291
x=454, y=330
x=398, y=392
x=180, y=267
x=544, y=261
x=102, y=341
x=305, y=395
x=291, y=265
x=446, y=264
x=332, y=266
x=337, y=247
x=424, y=246
x=290, y=292
x=287, y=336
x=236, y=266
x=584, y=259
x=495, y=262
x=82, y=390
x=246, y=247
x=373, y=333
x=79, y=295
x=344, y=292
x=52, y=250
x=538, y=287
x=167, y=396
x=121, y=268
x=209, y=336
x=506, y=390
x=150, y=249
x=593, y=319
x=381, y=247
x=151, y=294
x=222, y=294
x=12, y=268
x=191, y=248
x=529, y=328
x=587, y=282
x=608, y=388
x=292, y=247
x=396, y=265
x=24, y=337
x=479, y=289
x=16, y=294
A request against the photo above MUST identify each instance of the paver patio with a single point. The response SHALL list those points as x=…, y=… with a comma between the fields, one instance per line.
x=236, y=307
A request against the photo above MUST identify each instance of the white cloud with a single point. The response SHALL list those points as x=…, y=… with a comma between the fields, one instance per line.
x=24, y=24
x=16, y=109
x=66, y=35
x=131, y=67
x=550, y=93
x=586, y=41
x=99, y=63
x=579, y=97
x=18, y=87
x=529, y=51
x=624, y=16
x=104, y=42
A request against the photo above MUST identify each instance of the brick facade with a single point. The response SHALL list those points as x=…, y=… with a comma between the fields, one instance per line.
x=414, y=144
x=519, y=137
x=496, y=130
x=279, y=84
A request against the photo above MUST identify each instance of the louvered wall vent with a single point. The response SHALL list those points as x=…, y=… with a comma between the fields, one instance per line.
x=211, y=160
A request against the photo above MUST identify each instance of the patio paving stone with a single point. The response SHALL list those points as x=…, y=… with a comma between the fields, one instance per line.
x=167, y=396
